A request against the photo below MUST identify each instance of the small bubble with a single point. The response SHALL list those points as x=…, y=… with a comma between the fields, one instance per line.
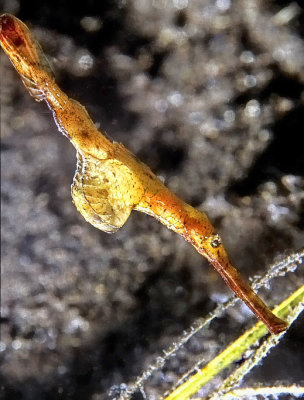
x=247, y=57
x=253, y=109
x=85, y=62
x=250, y=81
x=291, y=182
x=161, y=106
x=180, y=4
x=264, y=135
x=16, y=344
x=91, y=24
x=229, y=116
x=62, y=370
x=77, y=324
x=281, y=53
x=277, y=212
x=179, y=290
x=176, y=99
x=223, y=5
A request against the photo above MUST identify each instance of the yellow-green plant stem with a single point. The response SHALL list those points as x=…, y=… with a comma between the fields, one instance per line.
x=234, y=351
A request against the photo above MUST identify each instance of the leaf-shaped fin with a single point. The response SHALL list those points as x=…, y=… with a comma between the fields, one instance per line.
x=104, y=192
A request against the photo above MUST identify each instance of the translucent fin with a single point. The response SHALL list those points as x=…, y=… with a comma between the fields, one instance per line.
x=100, y=192
x=33, y=89
x=43, y=61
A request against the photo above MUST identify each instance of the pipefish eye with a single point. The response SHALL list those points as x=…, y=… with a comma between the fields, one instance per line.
x=216, y=241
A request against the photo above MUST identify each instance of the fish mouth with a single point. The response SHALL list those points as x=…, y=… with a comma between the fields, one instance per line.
x=6, y=22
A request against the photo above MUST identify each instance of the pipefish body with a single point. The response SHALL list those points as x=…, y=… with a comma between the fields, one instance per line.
x=110, y=181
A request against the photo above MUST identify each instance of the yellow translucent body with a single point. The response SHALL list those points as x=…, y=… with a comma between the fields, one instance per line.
x=109, y=181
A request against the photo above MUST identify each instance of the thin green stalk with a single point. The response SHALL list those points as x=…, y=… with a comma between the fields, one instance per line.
x=234, y=351
x=281, y=268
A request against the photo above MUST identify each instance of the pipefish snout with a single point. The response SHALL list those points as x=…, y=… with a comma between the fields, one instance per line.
x=110, y=182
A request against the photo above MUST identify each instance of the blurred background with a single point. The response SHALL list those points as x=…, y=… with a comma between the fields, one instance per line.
x=210, y=95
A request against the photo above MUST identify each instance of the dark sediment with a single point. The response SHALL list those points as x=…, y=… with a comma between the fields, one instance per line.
x=210, y=96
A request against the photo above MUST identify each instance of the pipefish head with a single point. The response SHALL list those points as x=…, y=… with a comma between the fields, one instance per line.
x=23, y=50
x=9, y=34
x=16, y=40
x=25, y=54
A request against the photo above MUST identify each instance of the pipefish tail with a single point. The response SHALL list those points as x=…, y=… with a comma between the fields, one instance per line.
x=110, y=181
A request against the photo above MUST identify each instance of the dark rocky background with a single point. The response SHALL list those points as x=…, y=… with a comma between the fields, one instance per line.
x=210, y=95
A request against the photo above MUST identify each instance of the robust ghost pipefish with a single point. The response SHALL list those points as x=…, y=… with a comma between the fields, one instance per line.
x=109, y=181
